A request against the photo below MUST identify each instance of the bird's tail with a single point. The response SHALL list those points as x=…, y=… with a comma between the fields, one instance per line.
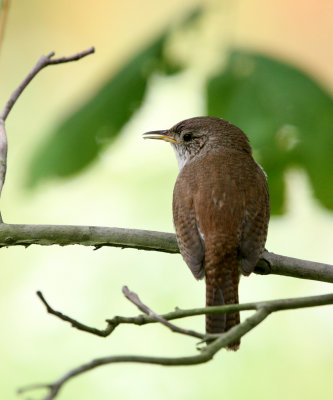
x=225, y=293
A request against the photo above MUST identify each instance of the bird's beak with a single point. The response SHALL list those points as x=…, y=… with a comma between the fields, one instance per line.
x=160, y=135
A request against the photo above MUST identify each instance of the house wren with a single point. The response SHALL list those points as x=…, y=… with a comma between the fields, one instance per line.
x=220, y=208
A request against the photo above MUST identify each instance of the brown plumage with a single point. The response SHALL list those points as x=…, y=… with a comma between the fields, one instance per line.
x=220, y=209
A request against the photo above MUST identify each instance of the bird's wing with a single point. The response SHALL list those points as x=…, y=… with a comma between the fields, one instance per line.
x=255, y=223
x=190, y=243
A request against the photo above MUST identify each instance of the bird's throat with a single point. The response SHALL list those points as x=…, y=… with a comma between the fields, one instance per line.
x=182, y=157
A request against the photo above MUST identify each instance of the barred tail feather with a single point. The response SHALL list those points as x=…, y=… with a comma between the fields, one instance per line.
x=216, y=296
x=215, y=323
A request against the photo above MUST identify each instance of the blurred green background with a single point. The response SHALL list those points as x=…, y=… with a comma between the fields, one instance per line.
x=285, y=53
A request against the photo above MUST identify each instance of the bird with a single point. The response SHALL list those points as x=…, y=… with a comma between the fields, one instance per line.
x=221, y=209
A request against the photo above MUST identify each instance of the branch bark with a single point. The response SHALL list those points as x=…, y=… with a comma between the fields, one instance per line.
x=64, y=235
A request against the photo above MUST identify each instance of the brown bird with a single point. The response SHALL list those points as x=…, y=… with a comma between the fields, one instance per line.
x=220, y=208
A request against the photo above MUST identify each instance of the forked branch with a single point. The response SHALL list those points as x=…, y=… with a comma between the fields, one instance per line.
x=206, y=353
x=43, y=62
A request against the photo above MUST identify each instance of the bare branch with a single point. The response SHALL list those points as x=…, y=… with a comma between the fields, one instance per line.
x=75, y=323
x=74, y=57
x=3, y=157
x=141, y=319
x=134, y=298
x=294, y=267
x=63, y=235
x=274, y=305
x=43, y=62
x=206, y=353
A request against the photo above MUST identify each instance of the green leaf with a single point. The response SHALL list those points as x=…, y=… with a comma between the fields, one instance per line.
x=287, y=116
x=78, y=140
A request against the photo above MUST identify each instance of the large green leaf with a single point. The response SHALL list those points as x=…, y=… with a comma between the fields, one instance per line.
x=78, y=140
x=286, y=114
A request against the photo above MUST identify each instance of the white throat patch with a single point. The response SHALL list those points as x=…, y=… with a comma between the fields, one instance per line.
x=182, y=158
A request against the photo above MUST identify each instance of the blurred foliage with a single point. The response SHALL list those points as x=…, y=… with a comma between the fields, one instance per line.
x=288, y=117
x=286, y=114
x=79, y=139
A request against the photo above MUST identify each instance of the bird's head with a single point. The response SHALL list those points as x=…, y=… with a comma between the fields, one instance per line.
x=196, y=136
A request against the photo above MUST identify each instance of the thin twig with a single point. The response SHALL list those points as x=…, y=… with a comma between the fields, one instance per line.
x=76, y=324
x=134, y=298
x=74, y=57
x=207, y=353
x=3, y=157
x=43, y=62
x=141, y=319
x=275, y=305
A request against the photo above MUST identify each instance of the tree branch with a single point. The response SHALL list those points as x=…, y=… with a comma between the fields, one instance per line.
x=63, y=235
x=76, y=324
x=274, y=305
x=43, y=62
x=3, y=157
x=294, y=267
x=263, y=309
x=134, y=298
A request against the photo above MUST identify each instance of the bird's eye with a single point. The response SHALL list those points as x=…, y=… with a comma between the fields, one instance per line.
x=187, y=137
